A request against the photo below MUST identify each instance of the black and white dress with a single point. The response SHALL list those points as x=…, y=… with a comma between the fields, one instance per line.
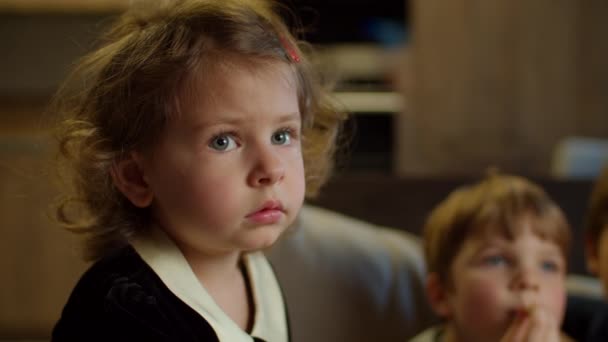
x=148, y=292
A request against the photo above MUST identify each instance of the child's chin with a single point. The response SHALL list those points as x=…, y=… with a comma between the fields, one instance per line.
x=262, y=240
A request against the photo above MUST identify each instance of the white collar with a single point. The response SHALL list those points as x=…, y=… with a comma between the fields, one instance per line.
x=167, y=261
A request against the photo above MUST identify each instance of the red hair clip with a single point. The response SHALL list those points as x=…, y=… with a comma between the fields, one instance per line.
x=289, y=49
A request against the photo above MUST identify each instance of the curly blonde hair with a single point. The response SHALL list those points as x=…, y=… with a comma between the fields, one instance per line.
x=119, y=98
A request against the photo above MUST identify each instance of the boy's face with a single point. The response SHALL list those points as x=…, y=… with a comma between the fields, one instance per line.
x=228, y=175
x=495, y=278
x=597, y=257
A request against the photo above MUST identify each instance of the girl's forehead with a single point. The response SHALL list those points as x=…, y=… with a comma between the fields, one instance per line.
x=210, y=81
x=221, y=70
x=237, y=88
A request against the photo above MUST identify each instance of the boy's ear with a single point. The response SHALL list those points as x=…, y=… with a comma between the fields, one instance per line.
x=437, y=292
x=591, y=257
x=128, y=176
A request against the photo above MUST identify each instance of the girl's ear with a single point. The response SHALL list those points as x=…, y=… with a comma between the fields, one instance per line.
x=128, y=176
x=437, y=295
x=591, y=257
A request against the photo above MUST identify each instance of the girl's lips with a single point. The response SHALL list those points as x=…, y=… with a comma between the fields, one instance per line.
x=266, y=216
x=270, y=212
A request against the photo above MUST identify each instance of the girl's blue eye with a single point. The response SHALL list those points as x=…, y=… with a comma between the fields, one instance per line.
x=223, y=142
x=282, y=137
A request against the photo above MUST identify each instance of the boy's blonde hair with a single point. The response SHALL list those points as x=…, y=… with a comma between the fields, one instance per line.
x=491, y=206
x=596, y=218
x=119, y=98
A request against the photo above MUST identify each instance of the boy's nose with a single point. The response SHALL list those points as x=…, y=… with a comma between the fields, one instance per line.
x=526, y=285
x=525, y=280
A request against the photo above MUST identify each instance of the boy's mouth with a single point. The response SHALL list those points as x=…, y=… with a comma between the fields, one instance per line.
x=520, y=312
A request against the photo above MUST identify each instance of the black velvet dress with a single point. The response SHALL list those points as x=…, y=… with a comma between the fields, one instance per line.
x=121, y=299
x=134, y=295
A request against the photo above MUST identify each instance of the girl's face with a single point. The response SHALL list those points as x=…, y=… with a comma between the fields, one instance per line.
x=495, y=278
x=227, y=175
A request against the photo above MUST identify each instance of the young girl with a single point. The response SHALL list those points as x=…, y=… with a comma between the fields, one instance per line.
x=496, y=256
x=191, y=134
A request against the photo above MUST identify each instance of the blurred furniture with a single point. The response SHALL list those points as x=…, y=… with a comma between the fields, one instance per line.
x=349, y=280
x=29, y=6
x=499, y=83
x=579, y=157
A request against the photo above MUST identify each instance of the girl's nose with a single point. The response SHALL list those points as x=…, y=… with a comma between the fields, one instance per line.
x=268, y=168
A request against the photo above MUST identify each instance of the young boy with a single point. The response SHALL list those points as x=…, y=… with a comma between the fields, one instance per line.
x=596, y=239
x=496, y=257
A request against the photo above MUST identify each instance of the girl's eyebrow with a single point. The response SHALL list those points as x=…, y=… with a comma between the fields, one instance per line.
x=204, y=125
x=289, y=117
x=237, y=120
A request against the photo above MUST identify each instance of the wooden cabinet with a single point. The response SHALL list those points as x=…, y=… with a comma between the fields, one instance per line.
x=31, y=6
x=40, y=262
x=500, y=83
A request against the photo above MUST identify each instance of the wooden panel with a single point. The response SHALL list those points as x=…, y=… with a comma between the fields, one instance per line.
x=62, y=5
x=39, y=261
x=499, y=83
x=592, y=91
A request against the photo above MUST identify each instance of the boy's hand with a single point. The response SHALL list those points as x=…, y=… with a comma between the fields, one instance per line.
x=534, y=325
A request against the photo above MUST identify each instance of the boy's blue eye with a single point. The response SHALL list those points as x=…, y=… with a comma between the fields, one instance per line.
x=494, y=260
x=282, y=137
x=223, y=142
x=549, y=266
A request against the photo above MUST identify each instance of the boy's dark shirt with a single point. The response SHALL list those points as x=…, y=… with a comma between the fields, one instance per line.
x=586, y=319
